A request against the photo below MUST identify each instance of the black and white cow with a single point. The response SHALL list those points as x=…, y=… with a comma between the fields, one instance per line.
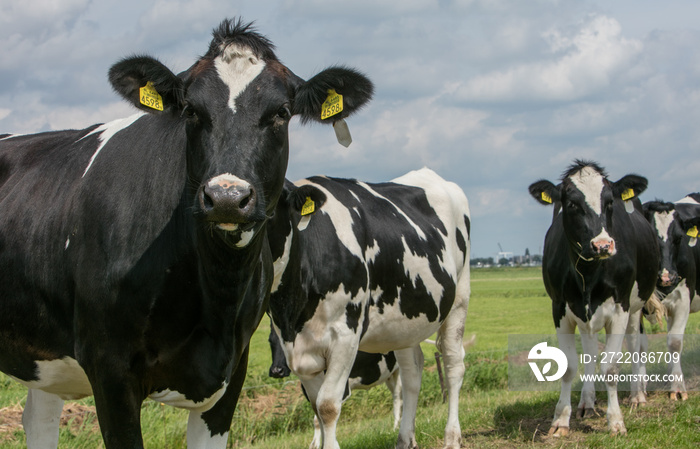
x=371, y=267
x=368, y=371
x=676, y=226
x=599, y=268
x=134, y=261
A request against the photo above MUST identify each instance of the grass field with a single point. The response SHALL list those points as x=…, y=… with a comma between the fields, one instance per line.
x=273, y=414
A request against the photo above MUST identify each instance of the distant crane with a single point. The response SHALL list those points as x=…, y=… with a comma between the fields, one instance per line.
x=503, y=254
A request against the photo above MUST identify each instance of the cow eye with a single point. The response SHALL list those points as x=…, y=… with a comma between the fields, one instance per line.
x=284, y=113
x=188, y=112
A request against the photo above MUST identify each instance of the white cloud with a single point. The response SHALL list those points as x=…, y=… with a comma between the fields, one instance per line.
x=577, y=66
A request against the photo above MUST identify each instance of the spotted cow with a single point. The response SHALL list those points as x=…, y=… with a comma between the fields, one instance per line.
x=134, y=261
x=676, y=226
x=368, y=371
x=599, y=268
x=371, y=267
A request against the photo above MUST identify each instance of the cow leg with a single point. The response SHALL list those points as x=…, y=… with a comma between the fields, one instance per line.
x=450, y=337
x=613, y=345
x=316, y=442
x=634, y=345
x=410, y=362
x=41, y=416
x=586, y=406
x=562, y=413
x=209, y=429
x=678, y=314
x=393, y=383
x=118, y=410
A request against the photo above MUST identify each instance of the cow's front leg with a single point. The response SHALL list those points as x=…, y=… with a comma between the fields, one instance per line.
x=678, y=313
x=562, y=413
x=586, y=406
x=118, y=409
x=209, y=429
x=41, y=416
x=633, y=337
x=613, y=345
x=410, y=362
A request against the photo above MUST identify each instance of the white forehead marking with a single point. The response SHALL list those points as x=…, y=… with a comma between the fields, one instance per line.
x=590, y=183
x=237, y=67
x=662, y=222
x=107, y=131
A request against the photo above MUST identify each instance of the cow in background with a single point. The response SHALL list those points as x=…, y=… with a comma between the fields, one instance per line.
x=676, y=227
x=134, y=261
x=371, y=267
x=599, y=268
x=368, y=371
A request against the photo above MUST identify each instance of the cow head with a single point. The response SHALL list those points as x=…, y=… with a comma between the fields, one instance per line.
x=235, y=104
x=587, y=200
x=676, y=229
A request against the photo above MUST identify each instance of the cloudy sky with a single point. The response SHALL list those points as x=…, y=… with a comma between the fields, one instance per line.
x=491, y=94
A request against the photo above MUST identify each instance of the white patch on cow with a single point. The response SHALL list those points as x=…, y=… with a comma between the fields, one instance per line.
x=687, y=200
x=63, y=377
x=324, y=333
x=418, y=230
x=12, y=136
x=372, y=252
x=662, y=222
x=199, y=435
x=107, y=131
x=177, y=399
x=419, y=267
x=590, y=183
x=67, y=243
x=237, y=67
x=246, y=237
x=280, y=264
x=341, y=218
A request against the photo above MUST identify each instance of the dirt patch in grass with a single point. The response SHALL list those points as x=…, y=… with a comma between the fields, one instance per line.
x=76, y=417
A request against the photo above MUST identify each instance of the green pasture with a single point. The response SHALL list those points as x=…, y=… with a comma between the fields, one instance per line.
x=272, y=414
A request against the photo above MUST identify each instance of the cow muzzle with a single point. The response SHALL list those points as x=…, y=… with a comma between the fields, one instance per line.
x=228, y=202
x=667, y=279
x=603, y=247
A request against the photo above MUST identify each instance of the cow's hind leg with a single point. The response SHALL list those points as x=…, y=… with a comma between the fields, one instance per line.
x=450, y=337
x=393, y=383
x=41, y=416
x=411, y=371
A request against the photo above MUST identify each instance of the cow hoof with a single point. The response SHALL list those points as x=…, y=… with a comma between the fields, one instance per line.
x=586, y=413
x=618, y=429
x=558, y=432
x=676, y=395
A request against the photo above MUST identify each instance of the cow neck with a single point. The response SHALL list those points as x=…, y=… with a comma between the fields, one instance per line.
x=588, y=272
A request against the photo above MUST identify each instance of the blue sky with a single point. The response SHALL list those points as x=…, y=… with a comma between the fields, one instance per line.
x=491, y=94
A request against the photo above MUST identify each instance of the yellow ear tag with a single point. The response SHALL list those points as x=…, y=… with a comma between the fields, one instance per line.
x=693, y=232
x=332, y=106
x=546, y=198
x=309, y=207
x=150, y=97
x=627, y=194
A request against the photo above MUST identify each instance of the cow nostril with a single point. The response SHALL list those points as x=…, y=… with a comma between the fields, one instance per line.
x=207, y=200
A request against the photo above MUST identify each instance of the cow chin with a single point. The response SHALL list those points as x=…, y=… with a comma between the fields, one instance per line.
x=238, y=235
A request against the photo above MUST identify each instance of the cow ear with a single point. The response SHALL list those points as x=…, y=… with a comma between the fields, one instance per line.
x=689, y=214
x=147, y=84
x=306, y=199
x=333, y=94
x=629, y=186
x=544, y=192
